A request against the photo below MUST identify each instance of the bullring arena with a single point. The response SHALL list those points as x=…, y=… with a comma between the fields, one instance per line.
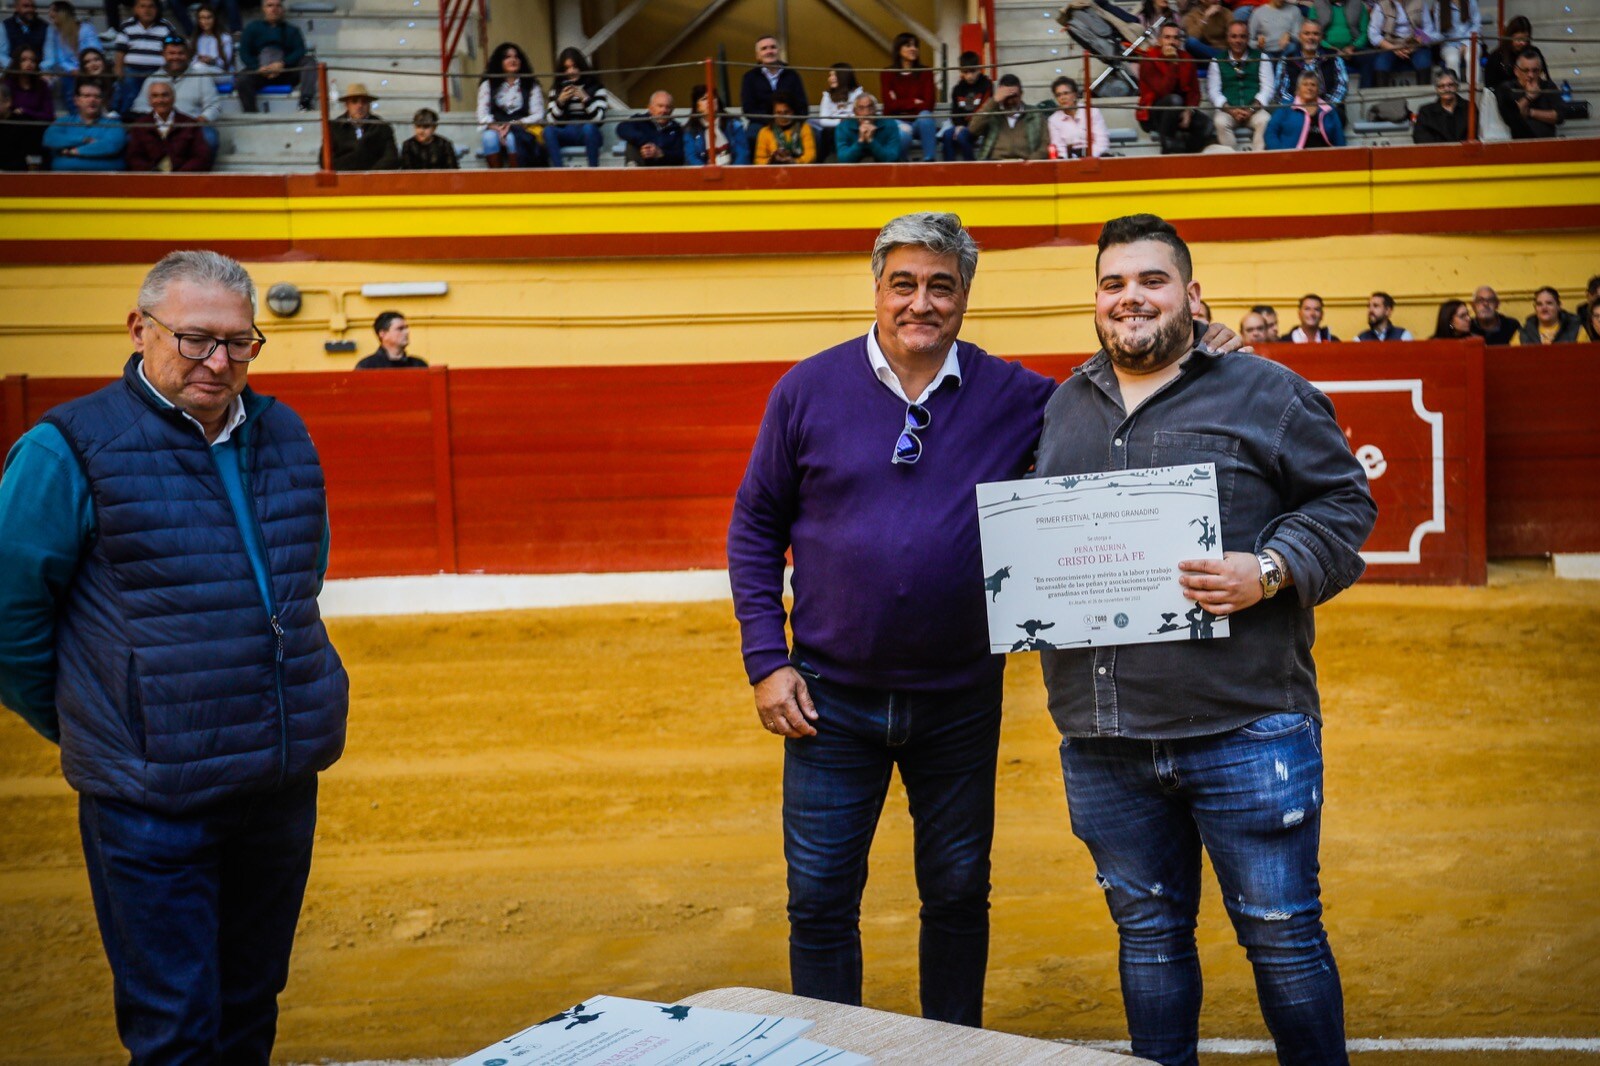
x=554, y=783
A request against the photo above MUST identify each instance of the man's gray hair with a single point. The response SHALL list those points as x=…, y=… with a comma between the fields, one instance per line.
x=939, y=232
x=1445, y=72
x=197, y=268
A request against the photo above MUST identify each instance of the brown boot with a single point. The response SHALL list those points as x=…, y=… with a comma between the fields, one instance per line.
x=495, y=161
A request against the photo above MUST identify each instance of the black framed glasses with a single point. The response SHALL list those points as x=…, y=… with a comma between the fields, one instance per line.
x=908, y=449
x=199, y=346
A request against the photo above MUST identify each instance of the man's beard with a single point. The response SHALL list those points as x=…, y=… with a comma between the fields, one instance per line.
x=1372, y=320
x=1171, y=339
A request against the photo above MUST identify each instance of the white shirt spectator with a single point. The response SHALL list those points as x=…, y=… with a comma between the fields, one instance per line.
x=1067, y=132
x=214, y=53
x=196, y=94
x=1268, y=81
x=508, y=94
x=829, y=113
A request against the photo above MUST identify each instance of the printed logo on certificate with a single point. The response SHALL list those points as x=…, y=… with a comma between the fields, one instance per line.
x=1088, y=560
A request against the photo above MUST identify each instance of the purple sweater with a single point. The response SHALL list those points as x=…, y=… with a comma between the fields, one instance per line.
x=888, y=575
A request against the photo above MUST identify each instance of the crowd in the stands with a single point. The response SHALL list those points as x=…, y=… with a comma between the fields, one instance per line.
x=145, y=93
x=1455, y=319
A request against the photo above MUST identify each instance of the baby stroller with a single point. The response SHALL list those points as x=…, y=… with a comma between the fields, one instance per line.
x=1109, y=34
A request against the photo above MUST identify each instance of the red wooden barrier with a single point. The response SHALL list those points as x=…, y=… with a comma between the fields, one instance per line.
x=634, y=468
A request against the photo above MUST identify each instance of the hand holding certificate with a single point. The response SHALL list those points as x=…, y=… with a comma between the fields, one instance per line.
x=1092, y=559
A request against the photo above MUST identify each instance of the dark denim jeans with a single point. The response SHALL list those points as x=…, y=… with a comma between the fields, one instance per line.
x=1253, y=799
x=834, y=785
x=197, y=913
x=558, y=137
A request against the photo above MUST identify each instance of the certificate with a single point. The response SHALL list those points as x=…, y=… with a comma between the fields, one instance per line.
x=1092, y=559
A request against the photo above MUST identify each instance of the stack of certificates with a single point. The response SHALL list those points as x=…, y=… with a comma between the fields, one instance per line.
x=613, y=1031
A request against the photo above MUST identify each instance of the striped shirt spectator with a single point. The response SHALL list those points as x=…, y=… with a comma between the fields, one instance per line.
x=139, y=40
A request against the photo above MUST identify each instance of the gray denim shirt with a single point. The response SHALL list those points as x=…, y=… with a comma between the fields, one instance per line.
x=1286, y=479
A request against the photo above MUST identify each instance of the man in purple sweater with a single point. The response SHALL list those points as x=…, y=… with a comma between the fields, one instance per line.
x=865, y=466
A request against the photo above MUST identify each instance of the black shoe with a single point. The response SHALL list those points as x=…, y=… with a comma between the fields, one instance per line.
x=305, y=105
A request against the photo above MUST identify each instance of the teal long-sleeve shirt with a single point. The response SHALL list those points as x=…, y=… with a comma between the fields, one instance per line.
x=47, y=527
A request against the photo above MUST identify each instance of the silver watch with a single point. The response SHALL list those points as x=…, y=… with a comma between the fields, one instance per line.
x=1271, y=575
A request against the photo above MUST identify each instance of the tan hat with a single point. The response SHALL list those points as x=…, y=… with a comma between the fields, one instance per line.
x=356, y=90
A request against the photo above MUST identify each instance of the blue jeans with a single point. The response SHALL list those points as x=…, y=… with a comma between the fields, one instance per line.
x=1421, y=61
x=957, y=141
x=926, y=130
x=521, y=144
x=587, y=135
x=1253, y=799
x=834, y=785
x=197, y=913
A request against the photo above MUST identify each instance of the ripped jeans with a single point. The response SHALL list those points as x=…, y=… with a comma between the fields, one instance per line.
x=1252, y=798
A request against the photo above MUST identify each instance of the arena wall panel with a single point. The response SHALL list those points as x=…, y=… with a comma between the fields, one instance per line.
x=617, y=469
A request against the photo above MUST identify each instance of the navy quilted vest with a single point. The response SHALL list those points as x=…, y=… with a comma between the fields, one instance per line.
x=174, y=685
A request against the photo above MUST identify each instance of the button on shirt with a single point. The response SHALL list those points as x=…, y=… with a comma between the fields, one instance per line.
x=886, y=374
x=1285, y=479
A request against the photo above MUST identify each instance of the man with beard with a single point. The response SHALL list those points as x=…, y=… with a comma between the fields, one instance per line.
x=865, y=466
x=1208, y=743
x=1380, y=320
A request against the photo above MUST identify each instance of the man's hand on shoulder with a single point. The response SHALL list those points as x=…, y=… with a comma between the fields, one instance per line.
x=784, y=704
x=1222, y=586
x=1219, y=338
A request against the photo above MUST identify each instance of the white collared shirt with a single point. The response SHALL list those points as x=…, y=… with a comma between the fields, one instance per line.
x=235, y=410
x=886, y=374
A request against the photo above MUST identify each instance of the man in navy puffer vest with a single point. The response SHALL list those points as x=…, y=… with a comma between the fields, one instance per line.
x=162, y=544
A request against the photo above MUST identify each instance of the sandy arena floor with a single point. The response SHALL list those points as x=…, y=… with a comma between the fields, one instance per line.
x=541, y=805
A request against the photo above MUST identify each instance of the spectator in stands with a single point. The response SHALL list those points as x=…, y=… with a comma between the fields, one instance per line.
x=1311, y=55
x=92, y=67
x=1007, y=127
x=1529, y=106
x=1455, y=21
x=1169, y=96
x=1501, y=66
x=909, y=95
x=1591, y=320
x=1592, y=290
x=1253, y=328
x=767, y=77
x=1104, y=30
x=64, y=40
x=138, y=44
x=1311, y=330
x=1205, y=26
x=394, y=334
x=970, y=92
x=836, y=103
x=733, y=147
x=1445, y=120
x=1380, y=320
x=32, y=104
x=510, y=105
x=360, y=139
x=788, y=139
x=214, y=51
x=865, y=138
x=23, y=29
x=1549, y=323
x=577, y=109
x=163, y=138
x=656, y=139
x=1400, y=31
x=1240, y=85
x=1200, y=312
x=87, y=140
x=425, y=149
x=1345, y=30
x=1269, y=315
x=1075, y=131
x=1487, y=321
x=1308, y=122
x=1454, y=322
x=272, y=51
x=196, y=90
x=1274, y=24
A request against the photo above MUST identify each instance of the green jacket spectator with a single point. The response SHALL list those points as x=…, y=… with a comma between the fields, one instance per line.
x=1023, y=133
x=883, y=147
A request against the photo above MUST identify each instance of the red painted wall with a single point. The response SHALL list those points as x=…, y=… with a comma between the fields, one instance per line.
x=634, y=468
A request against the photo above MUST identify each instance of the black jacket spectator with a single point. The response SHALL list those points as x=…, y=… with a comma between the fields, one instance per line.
x=30, y=34
x=967, y=97
x=1502, y=332
x=641, y=129
x=379, y=360
x=756, y=93
x=374, y=149
x=1526, y=127
x=1435, y=125
x=437, y=154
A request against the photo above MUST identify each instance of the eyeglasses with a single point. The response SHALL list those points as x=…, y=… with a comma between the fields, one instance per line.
x=200, y=346
x=908, y=449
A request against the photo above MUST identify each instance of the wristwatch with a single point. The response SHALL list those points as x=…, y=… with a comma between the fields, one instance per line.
x=1271, y=575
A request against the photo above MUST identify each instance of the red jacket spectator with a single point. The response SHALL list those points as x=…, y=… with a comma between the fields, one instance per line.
x=1160, y=77
x=183, y=144
x=908, y=92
